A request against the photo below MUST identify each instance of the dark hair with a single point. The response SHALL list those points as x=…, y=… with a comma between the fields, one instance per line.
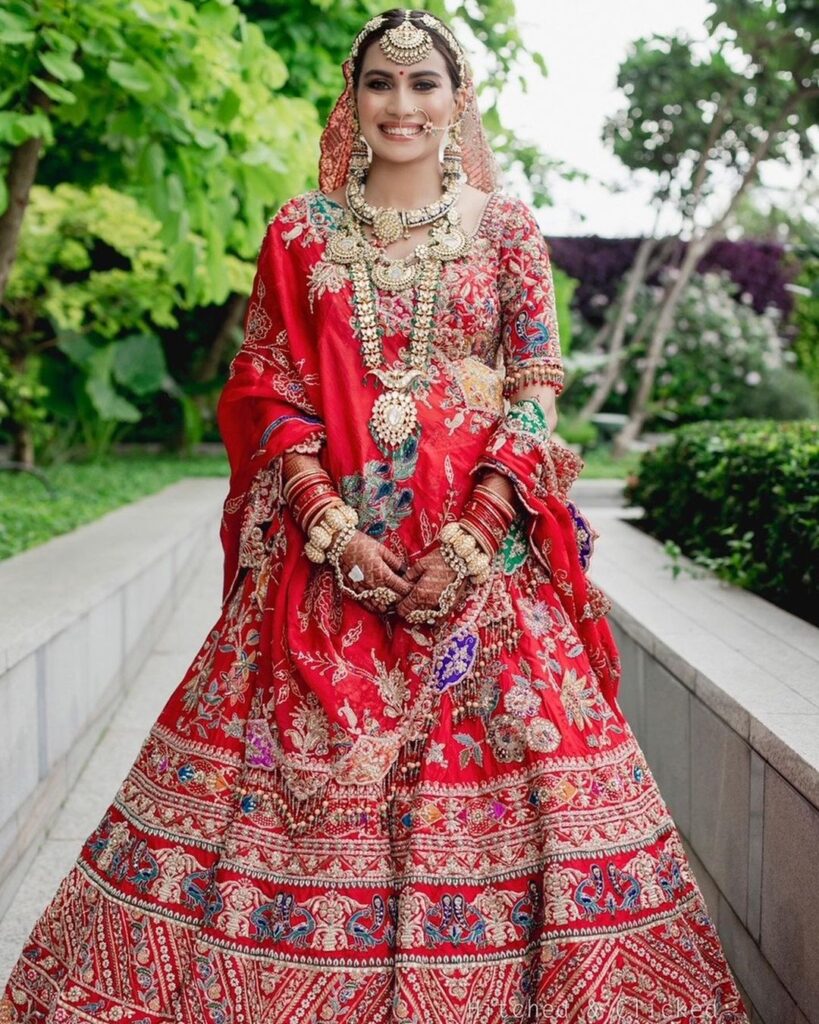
x=394, y=18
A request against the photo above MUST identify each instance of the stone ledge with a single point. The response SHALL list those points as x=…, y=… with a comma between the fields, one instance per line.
x=78, y=616
x=722, y=691
x=752, y=664
x=38, y=600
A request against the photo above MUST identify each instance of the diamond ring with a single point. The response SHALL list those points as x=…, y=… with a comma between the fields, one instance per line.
x=356, y=574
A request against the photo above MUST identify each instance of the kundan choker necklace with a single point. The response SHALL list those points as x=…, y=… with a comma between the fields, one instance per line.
x=389, y=224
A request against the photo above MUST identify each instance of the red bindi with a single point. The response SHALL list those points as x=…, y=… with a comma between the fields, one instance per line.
x=400, y=72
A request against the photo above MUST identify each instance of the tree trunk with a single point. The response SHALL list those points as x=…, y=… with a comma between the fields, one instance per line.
x=696, y=248
x=19, y=179
x=665, y=320
x=616, y=343
x=22, y=445
x=233, y=319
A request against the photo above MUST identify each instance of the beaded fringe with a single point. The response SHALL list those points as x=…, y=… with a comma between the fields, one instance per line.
x=534, y=372
x=301, y=812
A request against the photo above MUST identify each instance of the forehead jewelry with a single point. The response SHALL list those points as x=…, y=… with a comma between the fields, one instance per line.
x=410, y=41
x=406, y=44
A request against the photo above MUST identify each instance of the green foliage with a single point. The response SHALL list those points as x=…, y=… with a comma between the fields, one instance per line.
x=84, y=492
x=176, y=103
x=564, y=287
x=21, y=396
x=90, y=267
x=577, y=431
x=782, y=394
x=600, y=464
x=742, y=499
x=88, y=260
x=806, y=320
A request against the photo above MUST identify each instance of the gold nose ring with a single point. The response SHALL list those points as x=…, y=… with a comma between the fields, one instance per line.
x=427, y=125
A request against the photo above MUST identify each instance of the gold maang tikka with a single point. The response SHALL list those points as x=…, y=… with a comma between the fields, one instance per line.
x=409, y=41
x=406, y=44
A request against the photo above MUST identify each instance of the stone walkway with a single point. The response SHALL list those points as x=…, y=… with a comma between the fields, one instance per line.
x=114, y=754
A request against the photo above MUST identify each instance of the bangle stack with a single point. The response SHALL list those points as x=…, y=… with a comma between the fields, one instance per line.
x=330, y=524
x=487, y=516
x=308, y=494
x=461, y=553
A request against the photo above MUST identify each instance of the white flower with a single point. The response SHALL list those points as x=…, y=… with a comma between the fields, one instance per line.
x=753, y=378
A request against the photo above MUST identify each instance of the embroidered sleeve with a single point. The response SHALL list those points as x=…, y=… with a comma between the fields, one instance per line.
x=531, y=343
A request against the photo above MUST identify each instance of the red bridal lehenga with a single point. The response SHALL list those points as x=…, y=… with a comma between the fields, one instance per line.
x=339, y=817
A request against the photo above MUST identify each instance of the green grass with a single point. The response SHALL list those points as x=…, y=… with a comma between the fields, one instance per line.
x=29, y=516
x=599, y=465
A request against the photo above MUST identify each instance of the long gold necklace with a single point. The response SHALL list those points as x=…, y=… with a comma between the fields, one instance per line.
x=394, y=416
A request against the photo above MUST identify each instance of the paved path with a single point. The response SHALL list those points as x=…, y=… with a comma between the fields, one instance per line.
x=114, y=754
x=119, y=745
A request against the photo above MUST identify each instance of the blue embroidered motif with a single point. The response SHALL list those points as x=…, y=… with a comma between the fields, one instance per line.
x=283, y=419
x=456, y=662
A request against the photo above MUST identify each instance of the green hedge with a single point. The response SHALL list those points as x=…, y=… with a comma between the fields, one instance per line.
x=742, y=498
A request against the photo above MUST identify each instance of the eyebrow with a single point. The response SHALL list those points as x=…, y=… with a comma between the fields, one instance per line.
x=413, y=74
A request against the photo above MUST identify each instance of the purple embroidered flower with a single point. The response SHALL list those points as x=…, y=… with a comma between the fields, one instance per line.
x=456, y=661
x=583, y=533
x=259, y=744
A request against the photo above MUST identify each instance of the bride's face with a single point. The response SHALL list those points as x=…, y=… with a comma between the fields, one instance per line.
x=394, y=101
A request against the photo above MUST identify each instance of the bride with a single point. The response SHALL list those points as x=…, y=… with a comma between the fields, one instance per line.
x=395, y=785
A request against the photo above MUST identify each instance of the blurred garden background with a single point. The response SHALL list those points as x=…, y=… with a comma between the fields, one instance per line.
x=144, y=144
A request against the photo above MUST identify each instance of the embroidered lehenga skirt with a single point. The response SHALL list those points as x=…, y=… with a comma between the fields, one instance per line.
x=340, y=819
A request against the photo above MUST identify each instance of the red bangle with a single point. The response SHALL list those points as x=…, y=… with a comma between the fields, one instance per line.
x=306, y=502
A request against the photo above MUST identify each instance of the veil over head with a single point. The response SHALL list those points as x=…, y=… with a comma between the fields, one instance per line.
x=339, y=137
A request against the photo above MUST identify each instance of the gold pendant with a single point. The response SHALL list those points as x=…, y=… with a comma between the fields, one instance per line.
x=449, y=244
x=394, y=419
x=394, y=276
x=346, y=249
x=387, y=225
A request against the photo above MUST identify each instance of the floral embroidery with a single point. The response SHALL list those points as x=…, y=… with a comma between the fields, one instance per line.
x=336, y=812
x=376, y=493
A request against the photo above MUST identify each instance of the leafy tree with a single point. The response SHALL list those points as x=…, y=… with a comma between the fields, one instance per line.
x=174, y=103
x=90, y=266
x=177, y=103
x=695, y=112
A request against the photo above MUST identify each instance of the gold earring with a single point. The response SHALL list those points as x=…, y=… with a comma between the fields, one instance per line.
x=452, y=158
x=361, y=154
